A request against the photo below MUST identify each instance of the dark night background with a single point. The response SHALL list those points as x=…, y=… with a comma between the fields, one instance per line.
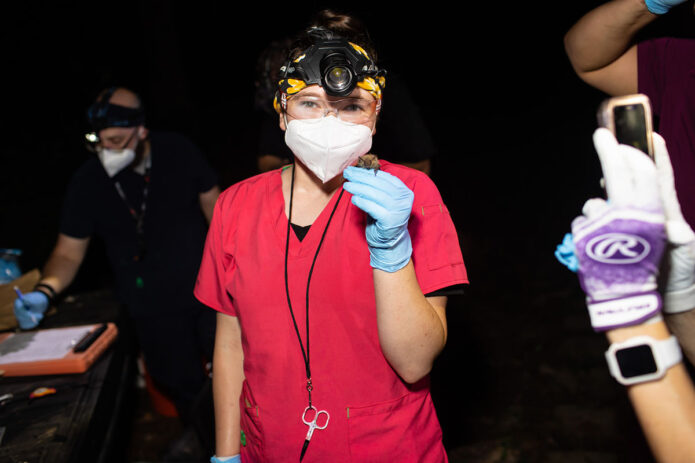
x=512, y=125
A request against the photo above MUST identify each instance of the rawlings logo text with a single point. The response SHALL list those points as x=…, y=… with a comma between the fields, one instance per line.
x=617, y=248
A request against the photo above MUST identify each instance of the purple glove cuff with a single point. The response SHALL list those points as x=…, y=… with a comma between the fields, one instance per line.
x=619, y=251
x=624, y=311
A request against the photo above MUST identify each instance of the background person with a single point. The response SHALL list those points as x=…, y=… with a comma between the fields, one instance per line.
x=346, y=335
x=601, y=49
x=148, y=196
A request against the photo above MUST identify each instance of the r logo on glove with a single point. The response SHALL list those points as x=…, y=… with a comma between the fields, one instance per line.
x=619, y=250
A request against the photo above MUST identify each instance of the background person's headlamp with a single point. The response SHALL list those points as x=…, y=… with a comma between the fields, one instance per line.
x=337, y=65
x=102, y=115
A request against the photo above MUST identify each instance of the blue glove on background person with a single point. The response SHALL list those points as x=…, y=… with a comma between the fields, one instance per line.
x=235, y=459
x=661, y=6
x=29, y=309
x=389, y=203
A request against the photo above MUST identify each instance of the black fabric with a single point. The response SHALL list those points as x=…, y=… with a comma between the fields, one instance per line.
x=300, y=231
x=162, y=282
x=455, y=290
x=175, y=350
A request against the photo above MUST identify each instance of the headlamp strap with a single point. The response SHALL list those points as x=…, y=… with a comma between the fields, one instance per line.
x=307, y=68
x=102, y=114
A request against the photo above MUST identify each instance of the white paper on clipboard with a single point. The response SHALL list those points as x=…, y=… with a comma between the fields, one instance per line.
x=41, y=345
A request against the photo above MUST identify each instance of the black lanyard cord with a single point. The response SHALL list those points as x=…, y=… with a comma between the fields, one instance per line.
x=305, y=353
x=139, y=218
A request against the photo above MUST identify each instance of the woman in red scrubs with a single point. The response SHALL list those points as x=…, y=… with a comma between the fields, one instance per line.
x=329, y=280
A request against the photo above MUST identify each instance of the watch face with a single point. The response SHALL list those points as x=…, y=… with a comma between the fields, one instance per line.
x=636, y=361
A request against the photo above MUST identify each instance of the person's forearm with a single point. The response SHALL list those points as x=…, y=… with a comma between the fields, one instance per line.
x=59, y=271
x=605, y=33
x=683, y=326
x=666, y=407
x=411, y=332
x=227, y=380
x=207, y=202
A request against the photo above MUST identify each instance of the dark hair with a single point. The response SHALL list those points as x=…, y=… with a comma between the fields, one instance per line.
x=268, y=72
x=342, y=25
x=105, y=95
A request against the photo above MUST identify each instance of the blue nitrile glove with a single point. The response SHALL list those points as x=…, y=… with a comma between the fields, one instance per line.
x=30, y=309
x=565, y=253
x=661, y=6
x=235, y=459
x=388, y=202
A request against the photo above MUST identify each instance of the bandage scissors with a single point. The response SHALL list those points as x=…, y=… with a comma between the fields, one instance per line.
x=313, y=424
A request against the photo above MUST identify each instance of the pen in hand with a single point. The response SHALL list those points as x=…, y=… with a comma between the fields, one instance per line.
x=26, y=306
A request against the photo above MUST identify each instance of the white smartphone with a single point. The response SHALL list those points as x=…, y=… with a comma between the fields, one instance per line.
x=629, y=117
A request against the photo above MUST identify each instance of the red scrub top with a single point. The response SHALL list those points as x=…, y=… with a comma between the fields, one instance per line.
x=374, y=415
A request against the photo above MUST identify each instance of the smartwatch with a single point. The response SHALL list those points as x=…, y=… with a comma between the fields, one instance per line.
x=642, y=358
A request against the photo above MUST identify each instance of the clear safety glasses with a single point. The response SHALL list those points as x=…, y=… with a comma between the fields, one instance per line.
x=349, y=109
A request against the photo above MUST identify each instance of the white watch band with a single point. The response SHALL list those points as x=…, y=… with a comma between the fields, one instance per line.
x=665, y=354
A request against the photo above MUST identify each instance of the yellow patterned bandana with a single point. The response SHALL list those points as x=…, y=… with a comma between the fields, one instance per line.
x=291, y=85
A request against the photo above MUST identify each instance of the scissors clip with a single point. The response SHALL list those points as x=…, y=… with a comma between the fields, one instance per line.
x=313, y=424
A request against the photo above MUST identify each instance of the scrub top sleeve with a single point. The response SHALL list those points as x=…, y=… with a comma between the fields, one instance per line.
x=217, y=263
x=437, y=256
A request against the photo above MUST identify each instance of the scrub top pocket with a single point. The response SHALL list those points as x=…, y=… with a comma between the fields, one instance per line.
x=405, y=430
x=252, y=443
x=441, y=244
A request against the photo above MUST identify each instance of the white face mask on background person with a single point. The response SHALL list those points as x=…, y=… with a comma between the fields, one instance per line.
x=115, y=161
x=326, y=146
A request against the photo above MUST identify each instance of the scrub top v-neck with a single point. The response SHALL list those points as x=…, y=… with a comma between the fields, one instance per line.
x=375, y=416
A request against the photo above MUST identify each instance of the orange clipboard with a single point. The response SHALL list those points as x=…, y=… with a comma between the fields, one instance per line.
x=53, y=351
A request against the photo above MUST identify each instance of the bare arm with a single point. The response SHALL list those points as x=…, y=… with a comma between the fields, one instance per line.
x=600, y=48
x=207, y=201
x=665, y=408
x=683, y=326
x=412, y=328
x=64, y=262
x=227, y=380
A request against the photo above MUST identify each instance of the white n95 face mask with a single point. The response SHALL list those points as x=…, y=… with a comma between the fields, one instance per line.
x=328, y=145
x=115, y=161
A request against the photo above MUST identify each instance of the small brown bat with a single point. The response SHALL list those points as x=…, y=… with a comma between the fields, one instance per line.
x=369, y=161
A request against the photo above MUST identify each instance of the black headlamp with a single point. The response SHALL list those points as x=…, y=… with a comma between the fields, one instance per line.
x=103, y=114
x=334, y=64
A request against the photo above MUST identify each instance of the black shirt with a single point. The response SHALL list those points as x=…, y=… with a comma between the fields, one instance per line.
x=174, y=227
